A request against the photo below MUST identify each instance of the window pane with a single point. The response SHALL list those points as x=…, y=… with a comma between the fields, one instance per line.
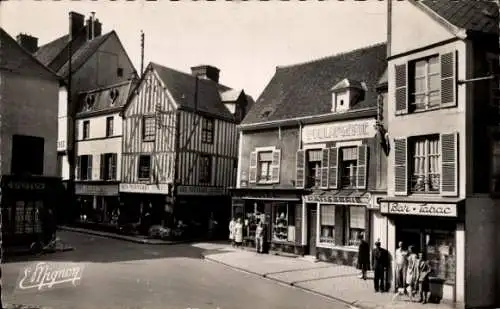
x=420, y=68
x=434, y=82
x=357, y=217
x=420, y=86
x=434, y=99
x=265, y=156
x=314, y=155
x=434, y=65
x=420, y=101
x=350, y=153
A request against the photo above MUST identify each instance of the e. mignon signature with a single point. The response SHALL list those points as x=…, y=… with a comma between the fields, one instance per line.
x=43, y=274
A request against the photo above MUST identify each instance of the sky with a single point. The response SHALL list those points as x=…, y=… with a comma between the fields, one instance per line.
x=246, y=40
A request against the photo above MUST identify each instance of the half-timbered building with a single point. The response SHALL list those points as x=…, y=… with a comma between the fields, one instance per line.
x=98, y=156
x=312, y=156
x=443, y=118
x=180, y=145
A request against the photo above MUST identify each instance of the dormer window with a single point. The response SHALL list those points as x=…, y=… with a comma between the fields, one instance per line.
x=89, y=101
x=113, y=95
x=346, y=94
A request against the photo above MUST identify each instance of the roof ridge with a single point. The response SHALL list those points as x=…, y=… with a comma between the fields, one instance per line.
x=332, y=56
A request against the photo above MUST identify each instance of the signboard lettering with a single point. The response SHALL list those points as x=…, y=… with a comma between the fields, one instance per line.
x=332, y=199
x=339, y=131
x=17, y=185
x=38, y=276
x=144, y=188
x=87, y=189
x=420, y=209
x=197, y=190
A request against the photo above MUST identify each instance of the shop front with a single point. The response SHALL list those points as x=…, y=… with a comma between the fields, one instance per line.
x=97, y=202
x=434, y=228
x=335, y=220
x=281, y=211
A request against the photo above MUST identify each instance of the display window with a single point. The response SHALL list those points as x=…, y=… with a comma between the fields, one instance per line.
x=341, y=225
x=283, y=222
x=441, y=253
x=253, y=213
x=327, y=227
x=357, y=224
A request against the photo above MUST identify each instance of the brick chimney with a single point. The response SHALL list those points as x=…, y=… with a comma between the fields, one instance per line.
x=76, y=21
x=206, y=72
x=28, y=42
x=93, y=26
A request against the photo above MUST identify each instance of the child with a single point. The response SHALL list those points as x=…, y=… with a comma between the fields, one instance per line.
x=424, y=270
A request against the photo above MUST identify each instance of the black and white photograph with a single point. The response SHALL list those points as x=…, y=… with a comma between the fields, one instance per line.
x=243, y=154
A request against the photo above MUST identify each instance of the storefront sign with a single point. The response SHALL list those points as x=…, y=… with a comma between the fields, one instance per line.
x=419, y=209
x=144, y=188
x=338, y=131
x=197, y=190
x=98, y=190
x=24, y=185
x=332, y=199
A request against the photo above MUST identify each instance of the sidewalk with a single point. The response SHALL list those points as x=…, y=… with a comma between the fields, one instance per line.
x=338, y=282
x=135, y=239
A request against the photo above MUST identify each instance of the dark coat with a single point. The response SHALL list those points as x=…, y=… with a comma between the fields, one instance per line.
x=364, y=256
x=380, y=258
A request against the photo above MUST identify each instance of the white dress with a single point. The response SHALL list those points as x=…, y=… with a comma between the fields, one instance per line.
x=231, y=230
x=238, y=232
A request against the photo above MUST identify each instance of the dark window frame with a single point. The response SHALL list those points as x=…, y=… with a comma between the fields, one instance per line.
x=142, y=169
x=86, y=129
x=148, y=128
x=109, y=126
x=207, y=130
x=205, y=175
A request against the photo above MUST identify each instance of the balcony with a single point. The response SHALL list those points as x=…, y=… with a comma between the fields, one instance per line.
x=425, y=183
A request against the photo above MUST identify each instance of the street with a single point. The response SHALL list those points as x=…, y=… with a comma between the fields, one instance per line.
x=120, y=274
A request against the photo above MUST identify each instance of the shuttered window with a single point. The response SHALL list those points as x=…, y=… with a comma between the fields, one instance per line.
x=275, y=166
x=401, y=93
x=108, y=166
x=426, y=172
x=449, y=164
x=426, y=86
x=300, y=169
x=333, y=170
x=265, y=160
x=400, y=167
x=252, y=167
x=325, y=156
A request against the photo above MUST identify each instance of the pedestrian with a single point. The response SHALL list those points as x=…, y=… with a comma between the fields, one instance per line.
x=363, y=256
x=424, y=270
x=412, y=272
x=232, y=224
x=212, y=224
x=238, y=233
x=379, y=265
x=259, y=237
x=401, y=262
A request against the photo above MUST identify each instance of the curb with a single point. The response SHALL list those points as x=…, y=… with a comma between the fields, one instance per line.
x=292, y=284
x=123, y=237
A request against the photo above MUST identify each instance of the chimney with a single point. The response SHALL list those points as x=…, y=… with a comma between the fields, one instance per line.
x=28, y=42
x=97, y=28
x=206, y=72
x=93, y=26
x=76, y=21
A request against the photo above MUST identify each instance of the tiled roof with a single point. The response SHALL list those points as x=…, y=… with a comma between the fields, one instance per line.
x=182, y=87
x=108, y=98
x=472, y=15
x=48, y=52
x=384, y=79
x=16, y=59
x=84, y=53
x=305, y=89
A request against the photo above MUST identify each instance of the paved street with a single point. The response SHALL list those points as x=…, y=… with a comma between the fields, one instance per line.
x=120, y=274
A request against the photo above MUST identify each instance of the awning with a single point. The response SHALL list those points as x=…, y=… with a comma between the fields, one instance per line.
x=339, y=197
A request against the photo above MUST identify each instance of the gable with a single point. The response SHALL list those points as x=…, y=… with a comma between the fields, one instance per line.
x=414, y=28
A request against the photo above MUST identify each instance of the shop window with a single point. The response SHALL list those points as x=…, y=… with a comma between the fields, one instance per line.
x=205, y=169
x=207, y=130
x=108, y=166
x=86, y=129
x=148, y=128
x=27, y=155
x=84, y=167
x=313, y=173
x=348, y=167
x=357, y=224
x=144, y=167
x=425, y=173
x=265, y=159
x=253, y=214
x=441, y=253
x=327, y=227
x=284, y=222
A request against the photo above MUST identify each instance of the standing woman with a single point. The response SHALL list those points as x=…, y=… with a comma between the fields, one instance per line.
x=363, y=256
x=232, y=224
x=259, y=237
x=412, y=272
x=238, y=233
x=424, y=270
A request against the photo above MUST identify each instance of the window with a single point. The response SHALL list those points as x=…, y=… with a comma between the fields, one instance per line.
x=348, y=167
x=119, y=72
x=84, y=167
x=148, y=128
x=86, y=129
x=313, y=173
x=205, y=169
x=357, y=224
x=27, y=155
x=327, y=224
x=426, y=83
x=425, y=170
x=109, y=126
x=108, y=166
x=284, y=222
x=207, y=130
x=144, y=167
x=265, y=159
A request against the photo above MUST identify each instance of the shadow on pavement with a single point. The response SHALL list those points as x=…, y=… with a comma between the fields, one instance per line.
x=96, y=249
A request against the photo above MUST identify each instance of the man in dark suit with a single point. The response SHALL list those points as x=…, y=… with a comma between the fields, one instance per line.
x=379, y=264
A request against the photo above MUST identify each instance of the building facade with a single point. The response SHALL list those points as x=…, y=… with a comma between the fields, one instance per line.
x=180, y=146
x=441, y=111
x=99, y=147
x=28, y=130
x=312, y=157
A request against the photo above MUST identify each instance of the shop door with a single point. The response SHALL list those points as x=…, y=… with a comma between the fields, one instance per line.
x=410, y=237
x=312, y=224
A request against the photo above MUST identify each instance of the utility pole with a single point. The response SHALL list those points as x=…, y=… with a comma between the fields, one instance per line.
x=70, y=145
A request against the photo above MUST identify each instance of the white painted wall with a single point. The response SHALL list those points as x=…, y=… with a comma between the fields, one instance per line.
x=97, y=142
x=62, y=118
x=413, y=28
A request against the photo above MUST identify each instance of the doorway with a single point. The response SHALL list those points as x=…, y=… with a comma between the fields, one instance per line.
x=311, y=233
x=410, y=237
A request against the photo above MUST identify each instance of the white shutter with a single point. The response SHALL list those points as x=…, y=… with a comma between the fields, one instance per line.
x=275, y=166
x=252, y=174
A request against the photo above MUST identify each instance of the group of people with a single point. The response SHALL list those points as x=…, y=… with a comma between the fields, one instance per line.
x=412, y=269
x=236, y=234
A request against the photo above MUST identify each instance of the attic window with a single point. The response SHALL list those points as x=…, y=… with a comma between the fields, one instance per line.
x=266, y=113
x=119, y=72
x=90, y=100
x=113, y=95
